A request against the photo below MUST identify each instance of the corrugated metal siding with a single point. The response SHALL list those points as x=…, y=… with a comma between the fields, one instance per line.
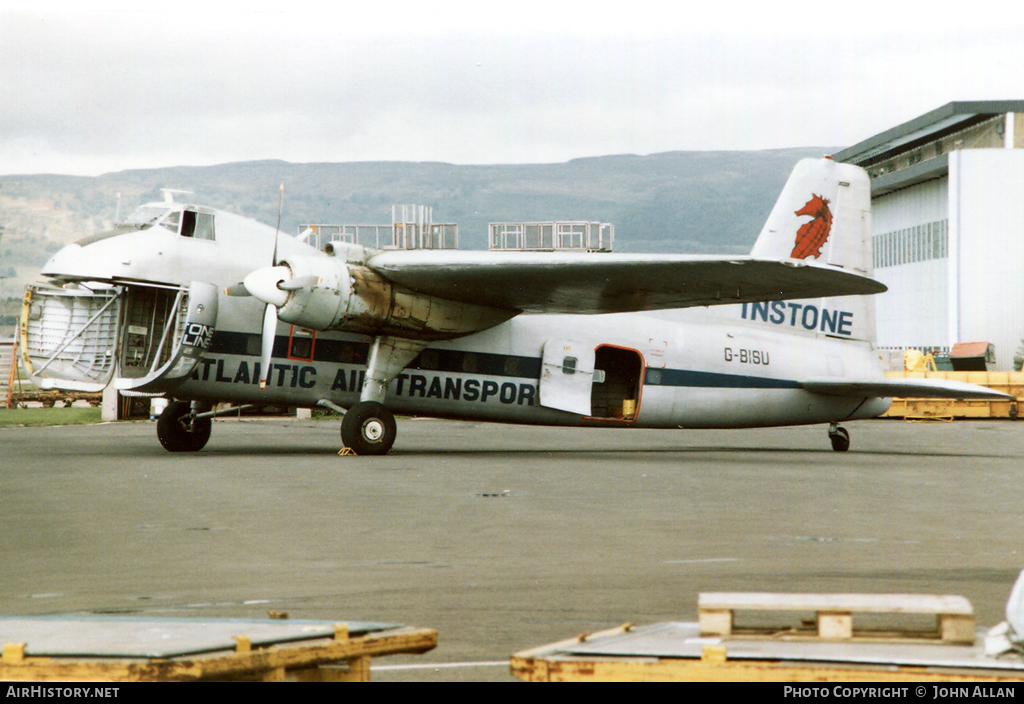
x=991, y=223
x=912, y=206
x=914, y=311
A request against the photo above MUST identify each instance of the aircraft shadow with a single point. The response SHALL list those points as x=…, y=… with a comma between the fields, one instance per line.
x=608, y=452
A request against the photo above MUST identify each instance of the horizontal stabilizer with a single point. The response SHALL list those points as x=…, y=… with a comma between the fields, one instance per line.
x=902, y=388
x=556, y=282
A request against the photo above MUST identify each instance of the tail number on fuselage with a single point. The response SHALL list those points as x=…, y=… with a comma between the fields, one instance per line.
x=744, y=356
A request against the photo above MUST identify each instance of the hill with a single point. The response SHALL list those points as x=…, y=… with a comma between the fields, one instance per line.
x=690, y=202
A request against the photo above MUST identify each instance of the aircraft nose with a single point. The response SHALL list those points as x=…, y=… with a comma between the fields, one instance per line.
x=75, y=262
x=263, y=284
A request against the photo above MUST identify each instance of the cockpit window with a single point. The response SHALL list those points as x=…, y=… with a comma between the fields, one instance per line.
x=189, y=223
x=197, y=225
x=172, y=221
x=146, y=215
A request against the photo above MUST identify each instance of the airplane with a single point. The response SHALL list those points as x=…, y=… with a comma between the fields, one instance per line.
x=205, y=307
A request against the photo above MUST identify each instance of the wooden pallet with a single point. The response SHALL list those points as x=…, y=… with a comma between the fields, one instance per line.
x=954, y=616
x=330, y=655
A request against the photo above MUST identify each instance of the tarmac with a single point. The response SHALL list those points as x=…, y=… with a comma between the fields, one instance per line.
x=501, y=537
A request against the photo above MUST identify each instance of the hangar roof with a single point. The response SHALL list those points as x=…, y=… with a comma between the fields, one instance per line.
x=930, y=128
x=951, y=117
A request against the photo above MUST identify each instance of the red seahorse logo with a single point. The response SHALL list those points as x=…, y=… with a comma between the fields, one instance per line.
x=812, y=235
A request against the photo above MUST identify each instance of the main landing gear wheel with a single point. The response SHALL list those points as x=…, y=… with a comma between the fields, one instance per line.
x=839, y=437
x=180, y=433
x=369, y=428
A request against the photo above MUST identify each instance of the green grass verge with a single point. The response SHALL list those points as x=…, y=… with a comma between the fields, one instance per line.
x=48, y=416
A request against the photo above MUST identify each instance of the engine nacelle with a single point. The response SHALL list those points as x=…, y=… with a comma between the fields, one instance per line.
x=353, y=298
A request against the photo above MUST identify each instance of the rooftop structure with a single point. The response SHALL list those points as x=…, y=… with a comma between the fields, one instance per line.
x=412, y=227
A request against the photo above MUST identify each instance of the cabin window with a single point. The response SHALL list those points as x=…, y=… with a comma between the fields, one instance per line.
x=513, y=366
x=300, y=344
x=569, y=365
x=429, y=359
x=253, y=345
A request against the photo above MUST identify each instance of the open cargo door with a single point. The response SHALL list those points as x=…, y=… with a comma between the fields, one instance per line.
x=567, y=376
x=69, y=336
x=167, y=332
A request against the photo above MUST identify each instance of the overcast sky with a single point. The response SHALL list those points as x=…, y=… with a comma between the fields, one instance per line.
x=115, y=87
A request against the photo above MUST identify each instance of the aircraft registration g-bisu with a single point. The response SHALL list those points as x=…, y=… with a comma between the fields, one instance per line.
x=205, y=307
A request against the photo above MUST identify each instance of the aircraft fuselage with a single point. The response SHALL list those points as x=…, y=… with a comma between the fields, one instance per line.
x=697, y=368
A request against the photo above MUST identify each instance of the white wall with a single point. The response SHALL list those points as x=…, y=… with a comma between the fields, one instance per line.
x=914, y=311
x=990, y=192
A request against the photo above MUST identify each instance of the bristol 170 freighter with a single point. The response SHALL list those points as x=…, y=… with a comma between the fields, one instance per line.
x=205, y=307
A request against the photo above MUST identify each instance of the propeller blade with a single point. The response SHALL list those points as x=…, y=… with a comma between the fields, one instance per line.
x=238, y=289
x=269, y=333
x=299, y=282
x=280, y=203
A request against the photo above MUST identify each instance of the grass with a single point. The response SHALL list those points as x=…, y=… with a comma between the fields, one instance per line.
x=11, y=417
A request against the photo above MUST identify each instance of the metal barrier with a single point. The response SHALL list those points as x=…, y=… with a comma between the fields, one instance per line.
x=553, y=236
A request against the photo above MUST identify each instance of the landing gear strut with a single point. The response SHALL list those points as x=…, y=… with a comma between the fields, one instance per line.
x=369, y=428
x=180, y=431
x=840, y=438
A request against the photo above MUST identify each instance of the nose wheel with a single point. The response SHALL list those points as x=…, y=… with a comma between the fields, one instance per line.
x=369, y=428
x=840, y=438
x=179, y=431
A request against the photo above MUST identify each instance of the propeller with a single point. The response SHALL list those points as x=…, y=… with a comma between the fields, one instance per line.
x=271, y=285
x=270, y=312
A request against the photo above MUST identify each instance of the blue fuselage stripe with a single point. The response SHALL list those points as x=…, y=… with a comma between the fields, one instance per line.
x=713, y=380
x=459, y=362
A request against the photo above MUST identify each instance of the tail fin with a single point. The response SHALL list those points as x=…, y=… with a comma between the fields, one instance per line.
x=824, y=215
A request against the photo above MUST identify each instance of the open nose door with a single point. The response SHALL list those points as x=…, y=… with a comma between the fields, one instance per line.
x=69, y=336
x=567, y=376
x=163, y=341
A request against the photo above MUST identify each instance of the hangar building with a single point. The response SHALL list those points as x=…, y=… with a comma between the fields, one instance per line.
x=947, y=201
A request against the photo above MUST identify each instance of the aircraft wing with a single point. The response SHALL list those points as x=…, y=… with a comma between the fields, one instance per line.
x=902, y=388
x=557, y=282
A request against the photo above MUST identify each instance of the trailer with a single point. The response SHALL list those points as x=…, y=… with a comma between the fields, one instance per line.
x=786, y=638
x=120, y=649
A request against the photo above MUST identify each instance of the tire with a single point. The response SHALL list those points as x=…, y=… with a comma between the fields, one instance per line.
x=369, y=429
x=840, y=440
x=172, y=429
